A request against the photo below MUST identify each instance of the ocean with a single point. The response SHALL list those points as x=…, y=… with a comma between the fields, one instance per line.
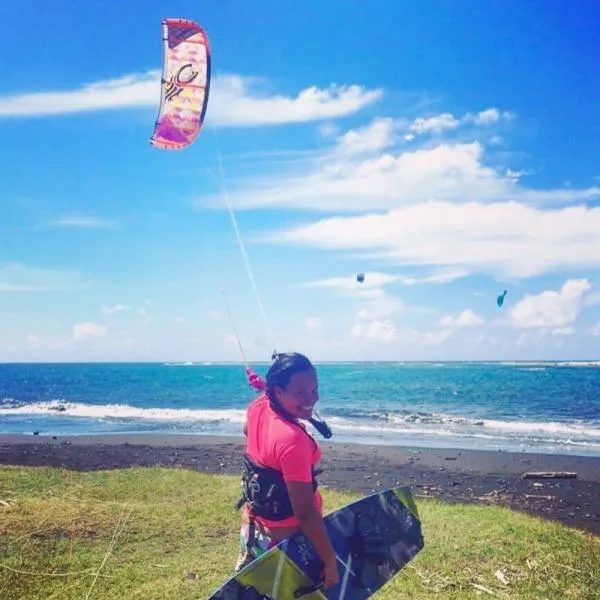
x=544, y=407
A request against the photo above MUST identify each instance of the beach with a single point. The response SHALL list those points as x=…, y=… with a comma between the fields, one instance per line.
x=459, y=475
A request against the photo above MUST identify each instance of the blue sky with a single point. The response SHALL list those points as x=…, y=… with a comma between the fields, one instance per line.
x=448, y=152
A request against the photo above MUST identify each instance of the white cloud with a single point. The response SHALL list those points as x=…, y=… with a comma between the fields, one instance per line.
x=378, y=135
x=552, y=310
x=372, y=280
x=435, y=337
x=377, y=330
x=113, y=310
x=17, y=277
x=33, y=339
x=595, y=329
x=328, y=130
x=467, y=318
x=502, y=239
x=146, y=316
x=86, y=330
x=236, y=103
x=489, y=116
x=375, y=279
x=313, y=323
x=82, y=222
x=445, y=121
x=435, y=124
x=379, y=305
x=234, y=100
x=373, y=322
x=592, y=299
x=378, y=178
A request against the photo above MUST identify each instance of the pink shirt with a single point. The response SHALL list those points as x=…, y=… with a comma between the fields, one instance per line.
x=274, y=442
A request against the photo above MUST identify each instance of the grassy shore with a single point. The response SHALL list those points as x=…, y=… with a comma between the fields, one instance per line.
x=157, y=533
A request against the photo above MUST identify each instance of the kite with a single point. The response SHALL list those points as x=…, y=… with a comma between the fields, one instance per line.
x=500, y=298
x=185, y=84
x=255, y=380
x=360, y=277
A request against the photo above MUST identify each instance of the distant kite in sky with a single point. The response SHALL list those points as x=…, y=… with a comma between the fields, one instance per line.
x=360, y=277
x=500, y=299
x=185, y=84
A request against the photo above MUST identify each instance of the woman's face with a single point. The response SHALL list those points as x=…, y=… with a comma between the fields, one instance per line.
x=300, y=394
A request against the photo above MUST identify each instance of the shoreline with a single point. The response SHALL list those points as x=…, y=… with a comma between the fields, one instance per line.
x=453, y=475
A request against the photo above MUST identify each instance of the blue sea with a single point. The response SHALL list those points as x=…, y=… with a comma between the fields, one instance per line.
x=531, y=407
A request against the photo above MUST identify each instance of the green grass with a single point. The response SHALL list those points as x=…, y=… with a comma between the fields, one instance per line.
x=174, y=534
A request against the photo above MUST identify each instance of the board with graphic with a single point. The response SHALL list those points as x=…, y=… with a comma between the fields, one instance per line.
x=373, y=539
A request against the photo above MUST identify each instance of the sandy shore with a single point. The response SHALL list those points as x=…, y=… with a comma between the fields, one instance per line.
x=480, y=477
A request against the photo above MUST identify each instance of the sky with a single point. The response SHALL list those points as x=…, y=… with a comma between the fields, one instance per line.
x=447, y=151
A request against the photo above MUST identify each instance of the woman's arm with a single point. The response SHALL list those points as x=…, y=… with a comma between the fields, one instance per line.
x=309, y=518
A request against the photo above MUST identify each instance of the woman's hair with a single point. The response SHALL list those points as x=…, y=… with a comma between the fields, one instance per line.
x=282, y=370
x=279, y=375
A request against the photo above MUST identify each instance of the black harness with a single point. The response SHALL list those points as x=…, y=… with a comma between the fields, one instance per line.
x=263, y=488
x=265, y=493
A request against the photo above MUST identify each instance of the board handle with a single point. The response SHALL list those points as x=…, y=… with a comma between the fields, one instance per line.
x=309, y=589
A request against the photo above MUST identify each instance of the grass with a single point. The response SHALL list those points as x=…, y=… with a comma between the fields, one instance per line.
x=156, y=534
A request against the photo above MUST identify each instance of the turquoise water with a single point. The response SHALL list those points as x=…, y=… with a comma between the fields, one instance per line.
x=541, y=407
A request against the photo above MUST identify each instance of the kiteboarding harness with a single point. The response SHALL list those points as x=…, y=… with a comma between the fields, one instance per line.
x=264, y=491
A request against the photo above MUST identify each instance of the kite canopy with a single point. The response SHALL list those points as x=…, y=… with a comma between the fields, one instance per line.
x=185, y=84
x=360, y=277
x=500, y=298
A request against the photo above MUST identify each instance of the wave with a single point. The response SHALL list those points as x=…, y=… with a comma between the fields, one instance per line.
x=123, y=411
x=564, y=363
x=390, y=423
x=564, y=428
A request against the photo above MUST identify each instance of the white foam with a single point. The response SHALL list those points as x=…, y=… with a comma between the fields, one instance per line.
x=124, y=411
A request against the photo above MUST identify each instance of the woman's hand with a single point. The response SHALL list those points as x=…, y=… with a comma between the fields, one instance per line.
x=331, y=576
x=312, y=525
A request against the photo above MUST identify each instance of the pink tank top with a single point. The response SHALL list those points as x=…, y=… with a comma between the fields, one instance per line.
x=276, y=443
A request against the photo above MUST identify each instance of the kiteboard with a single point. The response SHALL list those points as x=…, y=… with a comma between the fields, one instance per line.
x=373, y=539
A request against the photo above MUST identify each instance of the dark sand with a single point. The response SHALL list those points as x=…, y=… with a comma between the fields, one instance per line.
x=480, y=477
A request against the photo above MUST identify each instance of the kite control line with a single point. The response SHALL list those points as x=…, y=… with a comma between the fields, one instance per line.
x=241, y=244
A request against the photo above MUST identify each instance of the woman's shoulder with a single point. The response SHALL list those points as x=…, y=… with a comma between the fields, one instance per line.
x=293, y=436
x=257, y=404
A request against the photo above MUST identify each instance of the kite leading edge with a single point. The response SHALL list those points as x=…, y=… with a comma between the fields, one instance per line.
x=185, y=84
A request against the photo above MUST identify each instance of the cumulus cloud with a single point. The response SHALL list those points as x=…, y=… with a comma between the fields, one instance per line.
x=235, y=100
x=374, y=321
x=467, y=318
x=378, y=135
x=82, y=331
x=503, y=238
x=435, y=124
x=439, y=123
x=552, y=310
x=376, y=330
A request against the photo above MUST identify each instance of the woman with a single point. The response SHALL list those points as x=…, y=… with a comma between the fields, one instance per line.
x=281, y=458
